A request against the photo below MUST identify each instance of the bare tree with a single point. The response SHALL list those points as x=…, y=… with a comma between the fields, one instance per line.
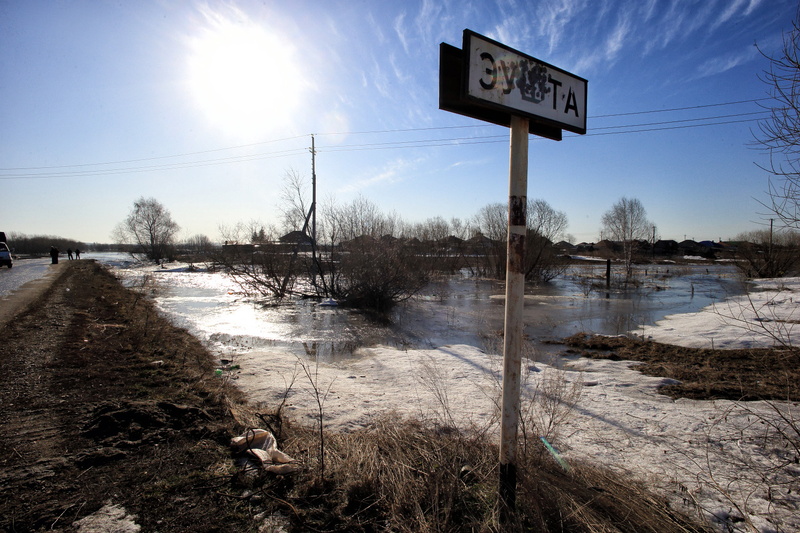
x=370, y=266
x=362, y=218
x=150, y=227
x=545, y=225
x=254, y=261
x=434, y=229
x=294, y=201
x=199, y=242
x=198, y=246
x=491, y=224
x=779, y=135
x=764, y=254
x=627, y=223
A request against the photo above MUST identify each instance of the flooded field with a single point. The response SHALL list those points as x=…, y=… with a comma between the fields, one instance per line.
x=459, y=310
x=431, y=363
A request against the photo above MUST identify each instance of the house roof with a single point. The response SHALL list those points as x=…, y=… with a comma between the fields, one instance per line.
x=296, y=237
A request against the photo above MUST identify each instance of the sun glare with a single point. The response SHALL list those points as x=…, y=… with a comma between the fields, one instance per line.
x=244, y=77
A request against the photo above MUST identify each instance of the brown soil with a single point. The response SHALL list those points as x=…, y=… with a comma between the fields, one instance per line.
x=103, y=402
x=751, y=374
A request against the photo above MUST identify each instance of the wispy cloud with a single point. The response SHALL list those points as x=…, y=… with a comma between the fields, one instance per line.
x=393, y=172
x=556, y=18
x=746, y=7
x=752, y=6
x=648, y=10
x=468, y=163
x=718, y=65
x=379, y=79
x=399, y=74
x=399, y=29
x=680, y=22
x=726, y=14
x=376, y=28
x=427, y=20
x=617, y=40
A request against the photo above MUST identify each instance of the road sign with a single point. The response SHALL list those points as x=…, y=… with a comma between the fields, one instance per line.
x=490, y=81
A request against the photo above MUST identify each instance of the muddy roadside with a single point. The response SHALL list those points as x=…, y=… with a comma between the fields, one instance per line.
x=17, y=302
x=103, y=402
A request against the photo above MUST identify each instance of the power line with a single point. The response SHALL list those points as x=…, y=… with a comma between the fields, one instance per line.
x=150, y=168
x=683, y=120
x=685, y=126
x=425, y=143
x=704, y=106
x=63, y=172
x=155, y=158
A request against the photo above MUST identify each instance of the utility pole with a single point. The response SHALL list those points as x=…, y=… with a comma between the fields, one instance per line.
x=654, y=242
x=313, y=193
x=313, y=212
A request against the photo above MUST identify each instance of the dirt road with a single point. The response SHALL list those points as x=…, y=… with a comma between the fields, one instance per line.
x=23, y=285
x=105, y=403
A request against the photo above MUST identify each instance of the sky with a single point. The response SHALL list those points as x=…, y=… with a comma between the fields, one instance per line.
x=208, y=106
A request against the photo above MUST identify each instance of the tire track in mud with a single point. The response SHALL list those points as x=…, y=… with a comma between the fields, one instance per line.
x=33, y=436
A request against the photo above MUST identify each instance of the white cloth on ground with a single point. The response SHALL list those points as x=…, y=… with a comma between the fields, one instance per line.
x=261, y=445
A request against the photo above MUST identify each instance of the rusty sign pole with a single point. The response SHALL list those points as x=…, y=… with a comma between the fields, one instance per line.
x=515, y=300
x=490, y=81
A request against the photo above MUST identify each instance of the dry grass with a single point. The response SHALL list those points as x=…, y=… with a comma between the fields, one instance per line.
x=704, y=374
x=409, y=477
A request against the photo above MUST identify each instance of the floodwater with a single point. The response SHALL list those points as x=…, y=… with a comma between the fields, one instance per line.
x=576, y=302
x=459, y=310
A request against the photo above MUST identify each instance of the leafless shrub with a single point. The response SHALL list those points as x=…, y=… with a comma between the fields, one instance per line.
x=274, y=418
x=434, y=379
x=547, y=397
x=547, y=402
x=369, y=265
x=255, y=262
x=587, y=279
x=749, y=462
x=320, y=392
x=762, y=317
x=768, y=254
x=778, y=134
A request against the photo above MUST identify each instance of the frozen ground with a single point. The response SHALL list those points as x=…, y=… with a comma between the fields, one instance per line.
x=764, y=317
x=707, y=456
x=720, y=459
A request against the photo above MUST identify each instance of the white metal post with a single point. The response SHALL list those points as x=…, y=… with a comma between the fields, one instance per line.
x=515, y=299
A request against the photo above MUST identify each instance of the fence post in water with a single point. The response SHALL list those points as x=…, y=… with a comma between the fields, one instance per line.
x=515, y=300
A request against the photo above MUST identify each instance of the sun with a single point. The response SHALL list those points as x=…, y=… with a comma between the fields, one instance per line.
x=245, y=78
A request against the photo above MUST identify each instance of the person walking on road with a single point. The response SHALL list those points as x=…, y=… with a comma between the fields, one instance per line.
x=54, y=254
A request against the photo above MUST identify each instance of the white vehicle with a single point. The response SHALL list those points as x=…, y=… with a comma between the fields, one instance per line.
x=5, y=255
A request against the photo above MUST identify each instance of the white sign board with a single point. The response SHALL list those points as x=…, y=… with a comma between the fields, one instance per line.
x=505, y=79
